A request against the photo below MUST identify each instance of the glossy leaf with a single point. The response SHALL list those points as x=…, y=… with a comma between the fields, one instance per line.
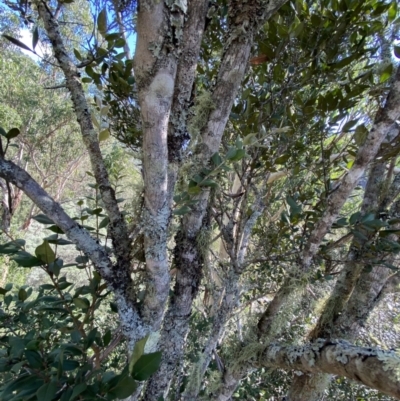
x=146, y=366
x=45, y=253
x=35, y=37
x=102, y=21
x=17, y=42
x=13, y=133
x=138, y=351
x=47, y=391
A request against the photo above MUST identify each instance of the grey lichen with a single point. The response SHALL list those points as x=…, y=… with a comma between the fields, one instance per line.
x=201, y=111
x=391, y=361
x=155, y=228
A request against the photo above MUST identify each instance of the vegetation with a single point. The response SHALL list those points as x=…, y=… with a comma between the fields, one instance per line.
x=215, y=217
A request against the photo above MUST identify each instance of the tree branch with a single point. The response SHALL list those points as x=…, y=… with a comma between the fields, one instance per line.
x=375, y=368
x=117, y=279
x=117, y=226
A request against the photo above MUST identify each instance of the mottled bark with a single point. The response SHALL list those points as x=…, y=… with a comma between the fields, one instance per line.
x=155, y=69
x=171, y=341
x=374, y=368
x=244, y=20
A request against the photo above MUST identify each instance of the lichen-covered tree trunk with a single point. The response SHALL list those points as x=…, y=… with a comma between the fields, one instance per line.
x=273, y=317
x=244, y=21
x=155, y=71
x=305, y=388
x=374, y=368
x=177, y=136
x=355, y=295
x=119, y=275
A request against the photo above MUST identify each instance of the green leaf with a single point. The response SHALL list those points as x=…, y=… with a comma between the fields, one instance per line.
x=385, y=233
x=249, y=139
x=349, y=125
x=386, y=73
x=22, y=294
x=216, y=159
x=3, y=132
x=104, y=135
x=17, y=42
x=112, y=36
x=194, y=190
x=107, y=338
x=82, y=259
x=392, y=12
x=360, y=134
x=138, y=351
x=59, y=241
x=182, y=211
x=45, y=253
x=104, y=223
x=114, y=307
x=119, y=43
x=78, y=389
x=354, y=218
x=282, y=159
x=360, y=235
x=82, y=303
x=208, y=183
x=94, y=119
x=47, y=391
x=12, y=247
x=43, y=219
x=35, y=37
x=14, y=132
x=34, y=359
x=25, y=259
x=78, y=55
x=231, y=153
x=55, y=229
x=69, y=364
x=102, y=22
x=396, y=50
x=375, y=223
x=125, y=387
x=146, y=366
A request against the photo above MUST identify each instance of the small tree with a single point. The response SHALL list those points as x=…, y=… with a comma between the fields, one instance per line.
x=254, y=122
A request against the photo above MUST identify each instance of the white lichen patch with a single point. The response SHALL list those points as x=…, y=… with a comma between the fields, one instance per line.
x=295, y=353
x=391, y=362
x=204, y=105
x=162, y=85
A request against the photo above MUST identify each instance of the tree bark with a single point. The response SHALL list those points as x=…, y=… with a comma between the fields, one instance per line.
x=374, y=368
x=243, y=24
